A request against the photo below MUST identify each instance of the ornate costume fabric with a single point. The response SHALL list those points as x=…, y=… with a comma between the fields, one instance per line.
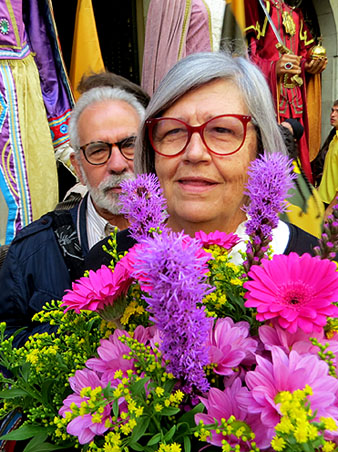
x=290, y=102
x=174, y=30
x=35, y=104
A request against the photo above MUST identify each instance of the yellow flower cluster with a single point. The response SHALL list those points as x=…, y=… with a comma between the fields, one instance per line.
x=297, y=423
x=173, y=447
x=239, y=429
x=228, y=281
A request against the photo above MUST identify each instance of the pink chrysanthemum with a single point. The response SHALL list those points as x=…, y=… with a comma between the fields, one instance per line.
x=297, y=291
x=222, y=239
x=288, y=373
x=99, y=289
x=223, y=404
x=111, y=352
x=229, y=345
x=82, y=426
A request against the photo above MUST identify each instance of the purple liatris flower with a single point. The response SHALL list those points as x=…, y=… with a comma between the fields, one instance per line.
x=143, y=204
x=270, y=178
x=173, y=269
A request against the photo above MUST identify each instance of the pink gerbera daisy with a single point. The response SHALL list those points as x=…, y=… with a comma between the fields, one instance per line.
x=99, y=289
x=297, y=291
x=222, y=239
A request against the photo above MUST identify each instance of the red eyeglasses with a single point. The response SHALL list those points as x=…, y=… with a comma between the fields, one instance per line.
x=221, y=135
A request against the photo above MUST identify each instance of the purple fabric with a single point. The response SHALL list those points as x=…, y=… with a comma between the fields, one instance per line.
x=43, y=41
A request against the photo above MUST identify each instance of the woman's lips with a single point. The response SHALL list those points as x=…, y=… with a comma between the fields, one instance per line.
x=195, y=184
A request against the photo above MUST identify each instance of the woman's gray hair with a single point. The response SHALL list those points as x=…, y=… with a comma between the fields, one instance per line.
x=93, y=96
x=197, y=70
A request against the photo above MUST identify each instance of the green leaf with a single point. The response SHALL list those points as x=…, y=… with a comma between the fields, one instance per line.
x=140, y=428
x=116, y=408
x=12, y=393
x=154, y=440
x=170, y=433
x=25, y=371
x=187, y=444
x=189, y=415
x=169, y=411
x=35, y=445
x=138, y=387
x=137, y=446
x=26, y=431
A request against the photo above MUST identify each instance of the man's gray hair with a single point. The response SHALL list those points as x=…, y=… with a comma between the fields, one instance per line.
x=96, y=95
x=197, y=70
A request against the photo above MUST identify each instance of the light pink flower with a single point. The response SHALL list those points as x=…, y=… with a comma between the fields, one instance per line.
x=99, y=289
x=288, y=373
x=223, y=404
x=222, y=239
x=82, y=426
x=230, y=345
x=298, y=291
x=111, y=352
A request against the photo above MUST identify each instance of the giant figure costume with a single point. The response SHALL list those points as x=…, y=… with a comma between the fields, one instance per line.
x=291, y=99
x=35, y=104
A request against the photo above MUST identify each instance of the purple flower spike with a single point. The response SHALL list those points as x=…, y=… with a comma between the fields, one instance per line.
x=270, y=178
x=174, y=267
x=143, y=204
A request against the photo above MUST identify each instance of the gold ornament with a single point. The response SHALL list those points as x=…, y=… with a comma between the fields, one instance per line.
x=289, y=24
x=317, y=52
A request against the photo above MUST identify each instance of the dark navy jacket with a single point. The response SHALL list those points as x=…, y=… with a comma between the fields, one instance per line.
x=35, y=272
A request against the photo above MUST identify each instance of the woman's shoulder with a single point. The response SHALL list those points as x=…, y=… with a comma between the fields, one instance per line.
x=300, y=241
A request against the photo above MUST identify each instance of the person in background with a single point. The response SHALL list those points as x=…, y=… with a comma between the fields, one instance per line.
x=48, y=254
x=210, y=117
x=328, y=188
x=305, y=208
x=94, y=80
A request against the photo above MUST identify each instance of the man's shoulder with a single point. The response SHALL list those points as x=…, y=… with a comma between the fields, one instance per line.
x=44, y=224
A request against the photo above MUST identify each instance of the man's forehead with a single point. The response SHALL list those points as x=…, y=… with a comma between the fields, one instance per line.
x=334, y=108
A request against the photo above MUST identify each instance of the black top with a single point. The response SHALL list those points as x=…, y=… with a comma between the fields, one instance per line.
x=300, y=242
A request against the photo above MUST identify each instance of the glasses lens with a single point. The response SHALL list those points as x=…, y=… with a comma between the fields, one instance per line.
x=97, y=153
x=127, y=147
x=169, y=136
x=224, y=135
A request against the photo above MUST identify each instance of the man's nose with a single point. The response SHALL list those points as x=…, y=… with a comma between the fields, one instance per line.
x=116, y=163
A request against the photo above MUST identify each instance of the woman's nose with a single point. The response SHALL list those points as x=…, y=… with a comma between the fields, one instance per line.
x=196, y=149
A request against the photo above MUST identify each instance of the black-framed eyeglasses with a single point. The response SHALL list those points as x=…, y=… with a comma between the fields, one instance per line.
x=221, y=135
x=99, y=152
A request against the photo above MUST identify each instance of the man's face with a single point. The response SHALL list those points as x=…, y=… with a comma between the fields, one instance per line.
x=334, y=116
x=109, y=121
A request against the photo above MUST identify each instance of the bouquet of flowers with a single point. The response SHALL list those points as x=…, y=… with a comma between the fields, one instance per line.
x=187, y=344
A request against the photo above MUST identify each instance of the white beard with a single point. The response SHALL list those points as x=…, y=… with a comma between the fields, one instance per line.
x=102, y=195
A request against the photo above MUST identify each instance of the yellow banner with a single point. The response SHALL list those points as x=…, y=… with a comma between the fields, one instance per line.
x=86, y=52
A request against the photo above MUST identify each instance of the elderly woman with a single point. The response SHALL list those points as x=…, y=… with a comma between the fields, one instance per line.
x=209, y=118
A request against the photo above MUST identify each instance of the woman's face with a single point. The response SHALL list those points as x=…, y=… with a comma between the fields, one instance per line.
x=205, y=191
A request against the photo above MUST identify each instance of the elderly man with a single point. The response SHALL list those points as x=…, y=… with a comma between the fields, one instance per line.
x=47, y=255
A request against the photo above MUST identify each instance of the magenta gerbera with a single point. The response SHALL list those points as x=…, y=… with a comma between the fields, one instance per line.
x=99, y=290
x=296, y=291
x=222, y=239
